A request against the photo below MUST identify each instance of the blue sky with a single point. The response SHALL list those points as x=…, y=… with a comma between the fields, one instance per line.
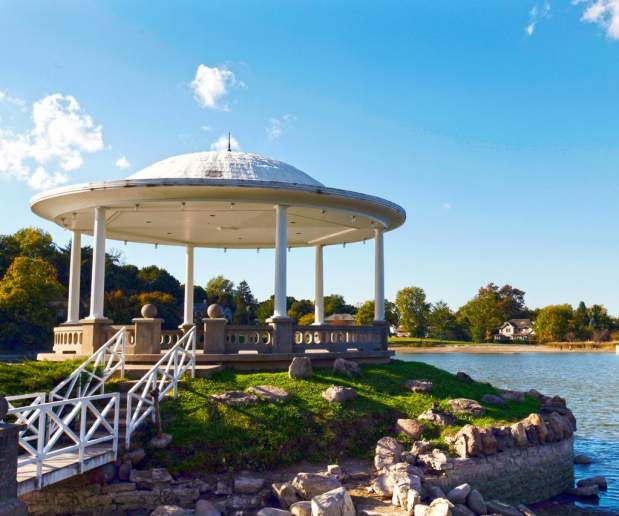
x=492, y=123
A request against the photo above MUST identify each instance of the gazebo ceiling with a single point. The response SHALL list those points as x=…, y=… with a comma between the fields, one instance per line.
x=217, y=199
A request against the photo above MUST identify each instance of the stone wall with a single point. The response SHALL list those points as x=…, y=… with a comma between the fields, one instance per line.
x=517, y=475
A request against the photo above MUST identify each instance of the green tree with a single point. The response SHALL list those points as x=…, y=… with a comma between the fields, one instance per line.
x=553, y=323
x=121, y=308
x=265, y=310
x=167, y=307
x=414, y=310
x=482, y=315
x=442, y=322
x=299, y=308
x=29, y=298
x=365, y=314
x=155, y=279
x=245, y=304
x=335, y=304
x=221, y=291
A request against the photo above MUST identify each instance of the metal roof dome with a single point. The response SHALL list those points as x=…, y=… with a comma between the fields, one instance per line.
x=225, y=165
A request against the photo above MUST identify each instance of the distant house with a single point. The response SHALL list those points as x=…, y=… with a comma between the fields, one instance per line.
x=340, y=320
x=515, y=329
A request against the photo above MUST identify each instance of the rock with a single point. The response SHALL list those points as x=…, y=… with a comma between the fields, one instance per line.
x=175, y=510
x=420, y=447
x=495, y=506
x=536, y=421
x=488, y=441
x=124, y=471
x=270, y=511
x=520, y=435
x=599, y=481
x=534, y=393
x=437, y=417
x=459, y=494
x=248, y=485
x=466, y=406
x=146, y=479
x=463, y=377
x=234, y=398
x=468, y=442
x=462, y=510
x=269, y=393
x=309, y=485
x=525, y=510
x=285, y=493
x=223, y=488
x=504, y=438
x=475, y=502
x=335, y=470
x=591, y=491
x=301, y=508
x=400, y=475
x=419, y=386
x=439, y=507
x=358, y=473
x=493, y=399
x=160, y=441
x=388, y=451
x=339, y=394
x=558, y=426
x=420, y=510
x=347, y=368
x=435, y=492
x=582, y=459
x=532, y=435
x=413, y=498
x=206, y=508
x=300, y=367
x=513, y=395
x=410, y=427
x=333, y=503
x=135, y=456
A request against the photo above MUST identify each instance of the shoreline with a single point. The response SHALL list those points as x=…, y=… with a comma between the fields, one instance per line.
x=494, y=349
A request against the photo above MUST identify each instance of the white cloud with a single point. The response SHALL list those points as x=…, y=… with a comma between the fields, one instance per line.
x=537, y=14
x=604, y=13
x=221, y=144
x=14, y=101
x=278, y=126
x=61, y=133
x=122, y=163
x=210, y=85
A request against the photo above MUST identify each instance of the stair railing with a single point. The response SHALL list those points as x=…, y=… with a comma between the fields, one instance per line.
x=164, y=376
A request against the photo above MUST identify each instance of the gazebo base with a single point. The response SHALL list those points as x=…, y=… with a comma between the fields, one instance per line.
x=250, y=361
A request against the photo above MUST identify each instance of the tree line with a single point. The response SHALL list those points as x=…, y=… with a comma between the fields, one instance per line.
x=34, y=272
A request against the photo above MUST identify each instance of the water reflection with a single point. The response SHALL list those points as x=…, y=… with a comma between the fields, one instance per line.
x=589, y=382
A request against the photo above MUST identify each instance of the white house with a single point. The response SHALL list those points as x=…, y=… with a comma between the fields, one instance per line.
x=515, y=329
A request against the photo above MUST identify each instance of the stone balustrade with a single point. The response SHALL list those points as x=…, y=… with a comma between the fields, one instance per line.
x=337, y=338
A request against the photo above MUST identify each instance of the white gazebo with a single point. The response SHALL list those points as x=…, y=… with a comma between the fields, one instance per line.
x=230, y=200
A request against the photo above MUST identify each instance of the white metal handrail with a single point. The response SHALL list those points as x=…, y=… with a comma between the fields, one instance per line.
x=89, y=421
x=164, y=376
x=90, y=377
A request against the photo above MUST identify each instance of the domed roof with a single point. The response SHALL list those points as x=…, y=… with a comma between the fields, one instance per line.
x=226, y=165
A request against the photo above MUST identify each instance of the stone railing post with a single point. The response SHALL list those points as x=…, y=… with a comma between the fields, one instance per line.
x=94, y=334
x=147, y=339
x=384, y=326
x=215, y=330
x=282, y=334
x=10, y=505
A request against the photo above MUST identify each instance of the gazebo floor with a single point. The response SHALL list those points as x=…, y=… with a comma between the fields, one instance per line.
x=248, y=361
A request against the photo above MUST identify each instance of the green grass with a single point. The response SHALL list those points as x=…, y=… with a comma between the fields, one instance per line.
x=32, y=376
x=211, y=437
x=423, y=342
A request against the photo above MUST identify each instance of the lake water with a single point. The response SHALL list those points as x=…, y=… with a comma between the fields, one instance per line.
x=588, y=381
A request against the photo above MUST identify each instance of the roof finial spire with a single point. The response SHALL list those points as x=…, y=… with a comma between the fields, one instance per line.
x=229, y=148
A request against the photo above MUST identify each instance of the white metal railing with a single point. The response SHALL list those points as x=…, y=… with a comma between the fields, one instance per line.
x=88, y=421
x=24, y=408
x=90, y=377
x=163, y=376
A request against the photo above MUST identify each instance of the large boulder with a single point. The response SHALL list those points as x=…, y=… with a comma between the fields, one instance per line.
x=493, y=399
x=513, y=395
x=440, y=507
x=388, y=452
x=582, y=459
x=557, y=425
x=303, y=508
x=466, y=406
x=309, y=485
x=468, y=442
x=206, y=508
x=519, y=434
x=535, y=420
x=347, y=368
x=339, y=394
x=599, y=481
x=300, y=367
x=591, y=491
x=410, y=427
x=504, y=438
x=333, y=503
x=488, y=441
x=459, y=494
x=463, y=377
x=171, y=510
x=149, y=478
x=402, y=475
x=437, y=417
x=285, y=493
x=269, y=393
x=419, y=386
x=475, y=502
x=248, y=485
x=462, y=510
x=270, y=511
x=497, y=507
x=234, y=398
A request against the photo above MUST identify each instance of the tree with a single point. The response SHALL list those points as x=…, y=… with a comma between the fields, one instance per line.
x=306, y=320
x=154, y=279
x=28, y=292
x=414, y=310
x=442, y=323
x=245, y=305
x=299, y=308
x=365, y=314
x=482, y=315
x=553, y=323
x=120, y=308
x=579, y=328
x=221, y=291
x=335, y=304
x=510, y=300
x=166, y=304
x=265, y=310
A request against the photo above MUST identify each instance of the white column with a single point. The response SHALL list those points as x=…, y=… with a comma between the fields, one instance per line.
x=73, y=305
x=379, y=276
x=188, y=313
x=281, y=244
x=319, y=299
x=98, y=266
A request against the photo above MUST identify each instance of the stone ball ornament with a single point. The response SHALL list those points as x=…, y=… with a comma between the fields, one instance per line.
x=4, y=407
x=215, y=311
x=149, y=311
